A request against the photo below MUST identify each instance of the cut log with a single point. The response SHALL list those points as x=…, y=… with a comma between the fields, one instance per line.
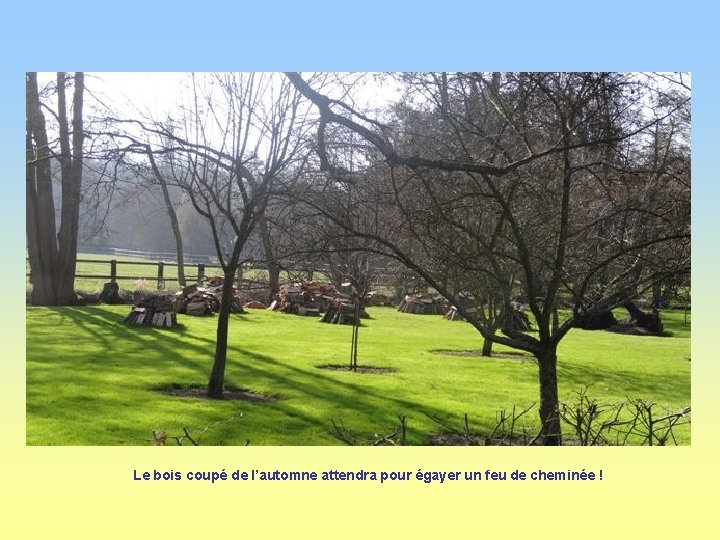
x=423, y=304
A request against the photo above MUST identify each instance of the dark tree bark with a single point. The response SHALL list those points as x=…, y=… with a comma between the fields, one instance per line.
x=53, y=256
x=217, y=375
x=71, y=160
x=549, y=414
x=40, y=208
x=649, y=321
x=487, y=347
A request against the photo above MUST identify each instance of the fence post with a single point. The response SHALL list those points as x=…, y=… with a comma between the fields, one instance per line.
x=201, y=274
x=160, y=276
x=113, y=270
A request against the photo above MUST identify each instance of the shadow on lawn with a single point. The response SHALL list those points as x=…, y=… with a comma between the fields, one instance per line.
x=297, y=386
x=107, y=329
x=351, y=399
x=647, y=384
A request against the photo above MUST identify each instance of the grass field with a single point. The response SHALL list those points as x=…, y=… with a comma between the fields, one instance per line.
x=93, y=381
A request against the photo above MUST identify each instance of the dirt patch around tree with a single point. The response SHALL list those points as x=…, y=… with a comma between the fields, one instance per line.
x=477, y=353
x=200, y=392
x=376, y=370
x=460, y=439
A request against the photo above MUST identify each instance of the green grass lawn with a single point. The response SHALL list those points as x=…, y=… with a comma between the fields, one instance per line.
x=92, y=380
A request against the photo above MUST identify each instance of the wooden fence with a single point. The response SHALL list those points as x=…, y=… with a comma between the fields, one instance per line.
x=157, y=271
x=193, y=272
x=159, y=274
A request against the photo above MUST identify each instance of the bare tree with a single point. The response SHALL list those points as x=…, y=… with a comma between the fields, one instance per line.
x=237, y=134
x=534, y=181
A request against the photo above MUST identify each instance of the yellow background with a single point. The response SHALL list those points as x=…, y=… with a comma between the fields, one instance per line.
x=86, y=492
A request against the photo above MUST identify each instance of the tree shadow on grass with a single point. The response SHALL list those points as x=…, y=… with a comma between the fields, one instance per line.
x=119, y=342
x=349, y=397
x=636, y=384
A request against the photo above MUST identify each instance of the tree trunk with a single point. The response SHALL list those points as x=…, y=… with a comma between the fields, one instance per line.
x=648, y=321
x=487, y=347
x=272, y=265
x=549, y=402
x=53, y=256
x=40, y=208
x=274, y=279
x=172, y=215
x=71, y=163
x=657, y=295
x=217, y=376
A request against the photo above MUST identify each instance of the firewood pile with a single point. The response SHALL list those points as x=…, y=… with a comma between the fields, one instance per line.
x=339, y=311
x=374, y=298
x=467, y=302
x=517, y=319
x=342, y=310
x=153, y=311
x=424, y=304
x=304, y=297
x=194, y=300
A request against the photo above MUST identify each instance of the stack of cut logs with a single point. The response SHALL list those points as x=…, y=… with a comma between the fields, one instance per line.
x=425, y=304
x=342, y=311
x=153, y=311
x=194, y=300
x=313, y=298
x=516, y=318
x=304, y=297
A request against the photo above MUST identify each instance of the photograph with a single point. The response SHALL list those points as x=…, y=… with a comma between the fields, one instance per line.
x=358, y=258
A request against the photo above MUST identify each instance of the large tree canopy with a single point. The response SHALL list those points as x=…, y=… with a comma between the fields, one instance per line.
x=569, y=189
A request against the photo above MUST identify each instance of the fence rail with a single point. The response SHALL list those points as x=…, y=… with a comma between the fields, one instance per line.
x=189, y=258
x=159, y=275
x=194, y=272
